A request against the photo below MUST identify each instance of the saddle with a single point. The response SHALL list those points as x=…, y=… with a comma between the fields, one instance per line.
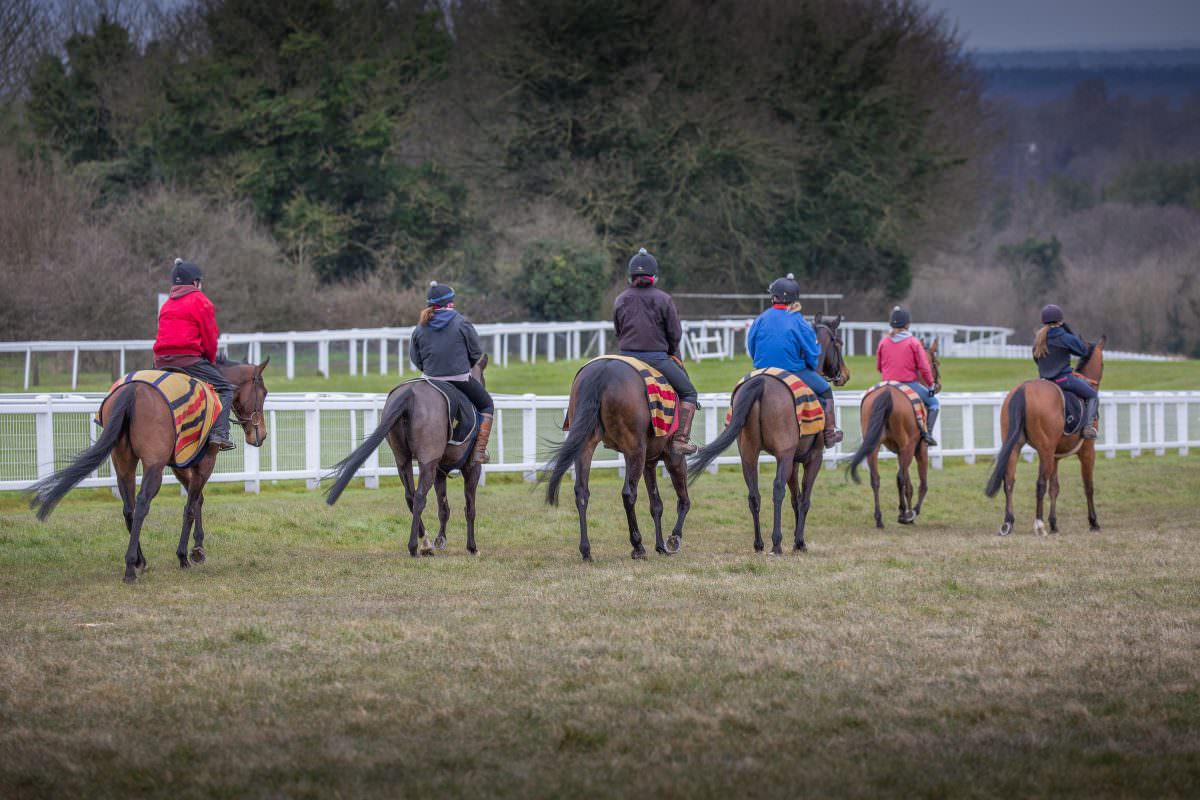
x=809, y=414
x=464, y=422
x=660, y=396
x=1073, y=407
x=917, y=403
x=194, y=405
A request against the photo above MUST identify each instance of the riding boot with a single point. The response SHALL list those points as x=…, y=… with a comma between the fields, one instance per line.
x=931, y=415
x=219, y=435
x=679, y=442
x=480, y=456
x=1091, y=413
x=832, y=435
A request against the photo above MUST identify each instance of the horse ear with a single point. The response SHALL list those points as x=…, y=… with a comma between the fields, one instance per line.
x=933, y=347
x=838, y=321
x=1103, y=339
x=482, y=362
x=259, y=369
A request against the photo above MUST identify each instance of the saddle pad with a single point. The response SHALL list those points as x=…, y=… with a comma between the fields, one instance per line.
x=917, y=403
x=660, y=395
x=459, y=410
x=193, y=403
x=1072, y=411
x=809, y=414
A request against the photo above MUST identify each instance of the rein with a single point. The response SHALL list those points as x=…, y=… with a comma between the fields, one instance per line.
x=843, y=374
x=256, y=416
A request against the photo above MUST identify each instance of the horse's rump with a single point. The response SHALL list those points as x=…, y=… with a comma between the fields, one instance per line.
x=910, y=394
x=462, y=419
x=810, y=416
x=193, y=405
x=661, y=398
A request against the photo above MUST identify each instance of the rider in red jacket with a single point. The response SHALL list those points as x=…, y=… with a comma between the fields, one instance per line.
x=187, y=341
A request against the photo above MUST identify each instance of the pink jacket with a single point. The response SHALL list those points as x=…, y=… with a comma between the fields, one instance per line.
x=903, y=360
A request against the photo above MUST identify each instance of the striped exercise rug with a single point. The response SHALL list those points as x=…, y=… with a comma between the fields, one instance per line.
x=193, y=403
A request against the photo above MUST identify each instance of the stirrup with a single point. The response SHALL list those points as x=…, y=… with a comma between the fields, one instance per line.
x=682, y=447
x=1090, y=432
x=929, y=440
x=222, y=443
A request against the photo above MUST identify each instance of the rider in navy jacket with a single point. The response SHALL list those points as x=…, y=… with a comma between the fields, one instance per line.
x=1053, y=347
x=781, y=337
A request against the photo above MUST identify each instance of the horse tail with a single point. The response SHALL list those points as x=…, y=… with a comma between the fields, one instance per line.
x=345, y=469
x=744, y=399
x=876, y=425
x=48, y=491
x=584, y=424
x=1016, y=430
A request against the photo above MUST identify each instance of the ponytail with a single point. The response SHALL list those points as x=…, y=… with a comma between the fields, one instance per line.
x=1040, y=348
x=426, y=315
x=794, y=308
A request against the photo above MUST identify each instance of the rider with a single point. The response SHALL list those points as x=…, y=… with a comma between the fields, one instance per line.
x=648, y=329
x=187, y=341
x=445, y=347
x=781, y=337
x=903, y=359
x=1053, y=346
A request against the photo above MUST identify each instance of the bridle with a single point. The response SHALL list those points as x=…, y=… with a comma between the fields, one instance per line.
x=256, y=416
x=835, y=341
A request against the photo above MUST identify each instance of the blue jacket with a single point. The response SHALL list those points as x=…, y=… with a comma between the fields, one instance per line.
x=1062, y=345
x=779, y=338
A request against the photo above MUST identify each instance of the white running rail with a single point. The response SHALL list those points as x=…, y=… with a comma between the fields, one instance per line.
x=311, y=432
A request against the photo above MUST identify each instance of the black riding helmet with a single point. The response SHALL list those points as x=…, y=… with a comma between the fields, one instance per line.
x=1051, y=314
x=786, y=289
x=900, y=317
x=439, y=294
x=185, y=273
x=643, y=264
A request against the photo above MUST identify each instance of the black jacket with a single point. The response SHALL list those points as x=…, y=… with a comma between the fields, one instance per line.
x=1061, y=344
x=646, y=319
x=447, y=346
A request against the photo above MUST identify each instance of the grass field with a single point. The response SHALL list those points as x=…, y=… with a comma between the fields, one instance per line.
x=312, y=657
x=958, y=375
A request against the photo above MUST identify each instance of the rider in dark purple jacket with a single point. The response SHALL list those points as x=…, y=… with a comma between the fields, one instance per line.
x=648, y=329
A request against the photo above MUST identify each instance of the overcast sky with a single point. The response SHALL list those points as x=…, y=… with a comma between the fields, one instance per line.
x=1048, y=24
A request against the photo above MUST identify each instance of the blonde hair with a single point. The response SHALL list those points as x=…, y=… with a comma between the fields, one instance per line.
x=794, y=308
x=1040, y=348
x=426, y=315
x=894, y=331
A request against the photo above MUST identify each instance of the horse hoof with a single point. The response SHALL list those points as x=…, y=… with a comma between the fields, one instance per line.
x=184, y=563
x=439, y=543
x=674, y=542
x=473, y=551
x=1039, y=527
x=198, y=555
x=879, y=524
x=905, y=519
x=638, y=553
x=141, y=568
x=801, y=547
x=587, y=557
x=776, y=551
x=130, y=579
x=1005, y=529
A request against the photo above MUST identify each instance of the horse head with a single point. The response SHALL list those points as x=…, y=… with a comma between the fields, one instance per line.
x=833, y=365
x=935, y=365
x=1091, y=366
x=479, y=367
x=249, y=397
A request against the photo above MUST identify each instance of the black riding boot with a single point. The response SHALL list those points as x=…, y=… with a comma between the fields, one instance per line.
x=679, y=442
x=1091, y=413
x=219, y=435
x=832, y=435
x=931, y=415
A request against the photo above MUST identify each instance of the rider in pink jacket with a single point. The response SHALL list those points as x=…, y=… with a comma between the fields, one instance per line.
x=901, y=357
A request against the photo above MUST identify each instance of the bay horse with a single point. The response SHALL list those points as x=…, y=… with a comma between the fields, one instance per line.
x=764, y=419
x=1033, y=412
x=898, y=431
x=139, y=427
x=415, y=421
x=608, y=404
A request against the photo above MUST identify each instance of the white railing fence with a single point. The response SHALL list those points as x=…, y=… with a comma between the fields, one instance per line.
x=311, y=432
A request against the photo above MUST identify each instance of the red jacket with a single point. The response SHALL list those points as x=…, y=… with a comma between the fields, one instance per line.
x=187, y=325
x=903, y=361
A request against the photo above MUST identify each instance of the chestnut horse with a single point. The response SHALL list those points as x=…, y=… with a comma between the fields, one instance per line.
x=899, y=432
x=1033, y=412
x=139, y=426
x=416, y=424
x=764, y=419
x=608, y=404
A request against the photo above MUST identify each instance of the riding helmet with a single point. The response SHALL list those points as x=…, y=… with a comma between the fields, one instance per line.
x=439, y=294
x=1051, y=314
x=185, y=273
x=787, y=290
x=643, y=264
x=900, y=317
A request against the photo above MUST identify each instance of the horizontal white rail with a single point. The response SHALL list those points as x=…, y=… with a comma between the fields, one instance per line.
x=311, y=432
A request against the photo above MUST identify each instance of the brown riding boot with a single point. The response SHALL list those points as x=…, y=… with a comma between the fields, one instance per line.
x=832, y=435
x=480, y=455
x=679, y=441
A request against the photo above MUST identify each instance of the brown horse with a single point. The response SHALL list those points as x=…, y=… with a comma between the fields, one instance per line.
x=608, y=404
x=139, y=426
x=416, y=424
x=899, y=432
x=764, y=419
x=1033, y=412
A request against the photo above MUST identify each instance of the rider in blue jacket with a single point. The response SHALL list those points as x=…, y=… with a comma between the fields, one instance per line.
x=1053, y=347
x=782, y=338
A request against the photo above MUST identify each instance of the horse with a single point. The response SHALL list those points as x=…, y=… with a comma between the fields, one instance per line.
x=608, y=404
x=1033, y=412
x=416, y=424
x=764, y=419
x=900, y=433
x=139, y=427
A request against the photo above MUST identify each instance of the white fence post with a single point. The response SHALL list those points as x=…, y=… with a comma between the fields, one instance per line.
x=323, y=357
x=291, y=360
x=251, y=464
x=968, y=431
x=312, y=443
x=44, y=426
x=710, y=430
x=529, y=437
x=383, y=356
x=1135, y=428
x=370, y=422
x=1160, y=428
x=1181, y=426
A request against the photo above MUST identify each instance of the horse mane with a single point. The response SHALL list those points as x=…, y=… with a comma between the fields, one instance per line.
x=1083, y=362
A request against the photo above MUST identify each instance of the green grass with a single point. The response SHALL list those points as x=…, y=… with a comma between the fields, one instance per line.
x=312, y=657
x=958, y=375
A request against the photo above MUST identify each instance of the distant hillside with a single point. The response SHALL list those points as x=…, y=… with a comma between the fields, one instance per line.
x=1033, y=77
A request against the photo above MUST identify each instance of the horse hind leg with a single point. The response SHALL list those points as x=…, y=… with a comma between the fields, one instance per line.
x=677, y=469
x=134, y=560
x=443, y=501
x=656, y=506
x=425, y=479
x=754, y=500
x=635, y=464
x=1054, y=499
x=1046, y=464
x=873, y=467
x=189, y=518
x=470, y=487
x=784, y=466
x=812, y=468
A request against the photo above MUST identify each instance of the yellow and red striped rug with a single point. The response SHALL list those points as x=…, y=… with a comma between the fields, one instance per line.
x=809, y=414
x=660, y=395
x=193, y=403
